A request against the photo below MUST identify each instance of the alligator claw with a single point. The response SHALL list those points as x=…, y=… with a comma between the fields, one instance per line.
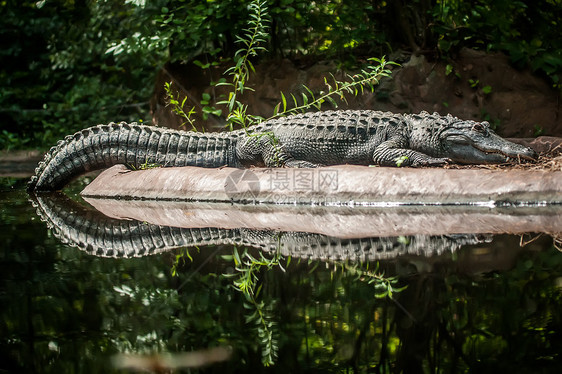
x=437, y=161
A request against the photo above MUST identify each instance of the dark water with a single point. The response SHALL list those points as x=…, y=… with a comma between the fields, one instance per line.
x=491, y=305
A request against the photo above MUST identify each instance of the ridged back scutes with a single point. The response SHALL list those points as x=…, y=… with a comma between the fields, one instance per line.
x=334, y=120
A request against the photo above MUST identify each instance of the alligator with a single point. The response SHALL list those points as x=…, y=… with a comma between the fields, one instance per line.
x=324, y=138
x=96, y=234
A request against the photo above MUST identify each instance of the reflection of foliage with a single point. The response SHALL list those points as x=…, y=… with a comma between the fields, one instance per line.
x=180, y=257
x=494, y=310
x=247, y=269
x=384, y=286
x=66, y=311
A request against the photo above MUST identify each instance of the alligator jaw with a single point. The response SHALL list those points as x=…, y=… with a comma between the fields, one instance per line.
x=489, y=149
x=496, y=145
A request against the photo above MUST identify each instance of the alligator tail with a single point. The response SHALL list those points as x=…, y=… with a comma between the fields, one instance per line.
x=133, y=145
x=99, y=235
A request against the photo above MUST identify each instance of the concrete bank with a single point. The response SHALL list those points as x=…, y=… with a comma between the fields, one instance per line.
x=333, y=186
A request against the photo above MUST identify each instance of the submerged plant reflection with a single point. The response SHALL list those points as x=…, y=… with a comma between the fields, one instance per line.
x=459, y=312
x=247, y=278
x=259, y=312
x=384, y=286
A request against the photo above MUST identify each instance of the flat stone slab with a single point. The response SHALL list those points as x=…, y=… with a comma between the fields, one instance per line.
x=345, y=185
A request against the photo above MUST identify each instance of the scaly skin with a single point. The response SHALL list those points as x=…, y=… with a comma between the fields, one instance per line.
x=99, y=235
x=305, y=140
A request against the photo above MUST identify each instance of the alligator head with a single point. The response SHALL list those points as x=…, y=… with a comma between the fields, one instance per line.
x=470, y=142
x=475, y=142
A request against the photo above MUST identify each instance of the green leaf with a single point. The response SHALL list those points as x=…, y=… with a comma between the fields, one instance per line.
x=237, y=260
x=284, y=100
x=295, y=101
x=332, y=101
x=400, y=160
x=251, y=66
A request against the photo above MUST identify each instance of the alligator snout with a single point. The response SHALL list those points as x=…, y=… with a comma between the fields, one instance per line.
x=518, y=151
x=486, y=148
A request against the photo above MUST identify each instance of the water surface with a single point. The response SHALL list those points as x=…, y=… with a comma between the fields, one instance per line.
x=485, y=304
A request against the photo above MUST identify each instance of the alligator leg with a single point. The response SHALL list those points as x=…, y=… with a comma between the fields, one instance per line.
x=267, y=151
x=278, y=157
x=393, y=153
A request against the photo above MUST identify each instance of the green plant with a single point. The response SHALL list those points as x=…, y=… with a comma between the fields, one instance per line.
x=523, y=31
x=145, y=166
x=538, y=130
x=400, y=160
x=252, y=41
x=487, y=90
x=9, y=140
x=207, y=107
x=70, y=64
x=178, y=108
x=366, y=78
x=473, y=83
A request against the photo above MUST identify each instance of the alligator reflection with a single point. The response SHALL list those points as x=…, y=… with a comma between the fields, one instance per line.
x=99, y=235
x=444, y=321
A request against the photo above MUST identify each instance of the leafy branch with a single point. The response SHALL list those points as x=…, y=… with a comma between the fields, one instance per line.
x=178, y=108
x=180, y=258
x=367, y=78
x=252, y=39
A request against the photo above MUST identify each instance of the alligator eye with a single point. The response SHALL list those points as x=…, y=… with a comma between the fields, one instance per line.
x=480, y=127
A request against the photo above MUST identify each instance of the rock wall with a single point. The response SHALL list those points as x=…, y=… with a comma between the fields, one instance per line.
x=476, y=85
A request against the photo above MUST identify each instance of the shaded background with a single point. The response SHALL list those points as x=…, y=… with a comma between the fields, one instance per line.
x=70, y=64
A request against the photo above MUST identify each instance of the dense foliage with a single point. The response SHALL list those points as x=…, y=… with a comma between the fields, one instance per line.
x=68, y=64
